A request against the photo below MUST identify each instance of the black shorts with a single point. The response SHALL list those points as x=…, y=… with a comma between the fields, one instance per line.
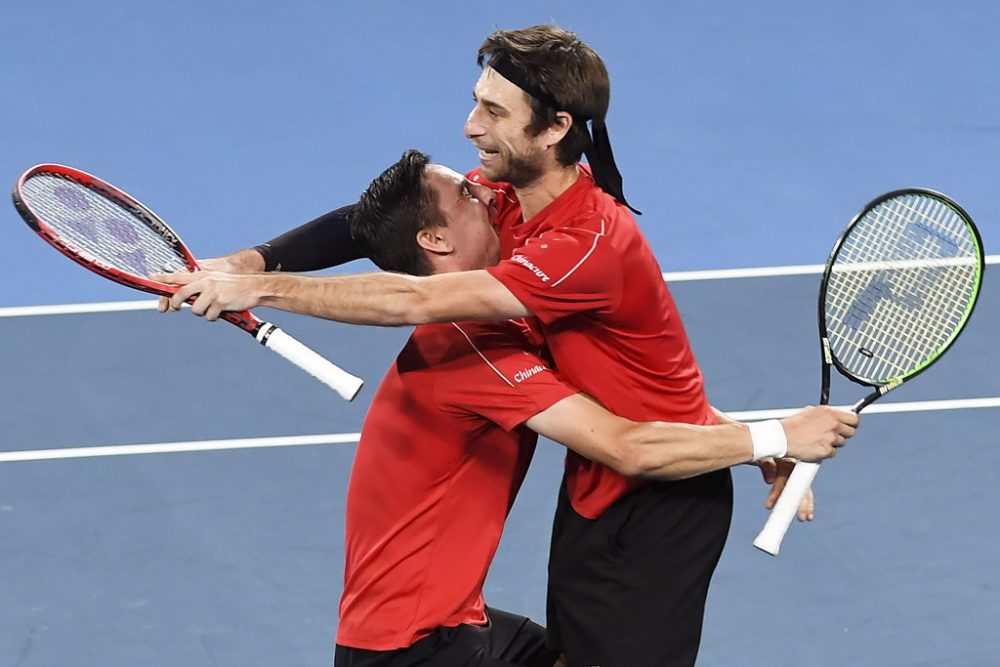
x=628, y=589
x=507, y=640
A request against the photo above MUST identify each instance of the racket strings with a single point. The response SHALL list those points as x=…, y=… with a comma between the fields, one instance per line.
x=898, y=301
x=94, y=224
x=908, y=292
x=900, y=287
x=912, y=288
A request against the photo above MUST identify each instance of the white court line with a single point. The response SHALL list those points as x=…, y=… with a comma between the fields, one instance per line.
x=876, y=408
x=763, y=272
x=345, y=438
x=77, y=308
x=173, y=447
x=758, y=272
x=670, y=276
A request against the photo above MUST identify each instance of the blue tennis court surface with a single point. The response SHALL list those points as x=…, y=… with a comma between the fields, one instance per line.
x=748, y=133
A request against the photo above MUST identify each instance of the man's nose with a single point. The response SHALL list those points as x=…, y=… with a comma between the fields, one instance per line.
x=473, y=128
x=484, y=194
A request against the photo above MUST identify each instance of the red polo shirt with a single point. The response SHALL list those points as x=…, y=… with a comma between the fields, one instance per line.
x=583, y=267
x=441, y=457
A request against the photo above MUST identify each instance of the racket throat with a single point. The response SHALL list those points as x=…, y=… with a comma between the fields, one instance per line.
x=824, y=394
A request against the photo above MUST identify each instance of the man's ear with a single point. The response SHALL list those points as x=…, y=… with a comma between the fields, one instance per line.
x=435, y=240
x=559, y=128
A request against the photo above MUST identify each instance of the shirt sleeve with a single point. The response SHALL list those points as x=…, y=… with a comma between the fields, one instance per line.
x=564, y=271
x=501, y=378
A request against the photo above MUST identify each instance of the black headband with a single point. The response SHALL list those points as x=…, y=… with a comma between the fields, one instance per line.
x=598, y=151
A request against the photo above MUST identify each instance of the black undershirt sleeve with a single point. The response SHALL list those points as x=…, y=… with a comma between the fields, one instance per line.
x=318, y=244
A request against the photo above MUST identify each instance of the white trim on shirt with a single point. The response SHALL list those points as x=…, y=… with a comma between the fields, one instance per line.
x=597, y=236
x=482, y=356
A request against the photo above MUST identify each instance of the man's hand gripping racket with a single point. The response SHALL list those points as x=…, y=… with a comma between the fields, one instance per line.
x=115, y=236
x=898, y=289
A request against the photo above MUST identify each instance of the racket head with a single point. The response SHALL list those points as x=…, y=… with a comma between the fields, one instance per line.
x=898, y=288
x=100, y=227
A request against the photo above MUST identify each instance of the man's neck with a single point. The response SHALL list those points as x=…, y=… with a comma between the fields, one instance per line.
x=545, y=189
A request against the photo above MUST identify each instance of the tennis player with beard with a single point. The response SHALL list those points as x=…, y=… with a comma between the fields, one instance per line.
x=631, y=560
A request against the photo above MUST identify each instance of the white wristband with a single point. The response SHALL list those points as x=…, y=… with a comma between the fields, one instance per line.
x=768, y=439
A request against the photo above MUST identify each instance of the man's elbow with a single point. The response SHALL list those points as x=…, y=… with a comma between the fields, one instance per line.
x=626, y=456
x=632, y=462
x=629, y=464
x=427, y=300
x=413, y=305
x=641, y=455
x=411, y=314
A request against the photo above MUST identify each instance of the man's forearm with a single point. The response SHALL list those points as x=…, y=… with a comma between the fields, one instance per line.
x=721, y=417
x=676, y=451
x=382, y=299
x=658, y=450
x=318, y=244
x=663, y=450
x=390, y=299
x=247, y=260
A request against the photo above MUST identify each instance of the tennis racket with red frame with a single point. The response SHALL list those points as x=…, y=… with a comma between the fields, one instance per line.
x=898, y=288
x=105, y=230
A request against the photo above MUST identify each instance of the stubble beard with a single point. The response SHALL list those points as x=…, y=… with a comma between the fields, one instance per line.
x=518, y=170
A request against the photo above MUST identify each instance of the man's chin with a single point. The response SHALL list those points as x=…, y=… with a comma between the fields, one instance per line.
x=491, y=171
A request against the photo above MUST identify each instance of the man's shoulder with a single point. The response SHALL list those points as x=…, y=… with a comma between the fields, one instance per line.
x=451, y=341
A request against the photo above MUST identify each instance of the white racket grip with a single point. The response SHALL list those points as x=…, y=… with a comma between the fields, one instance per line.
x=329, y=374
x=786, y=507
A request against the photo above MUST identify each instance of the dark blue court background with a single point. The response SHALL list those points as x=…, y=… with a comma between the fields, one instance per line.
x=748, y=133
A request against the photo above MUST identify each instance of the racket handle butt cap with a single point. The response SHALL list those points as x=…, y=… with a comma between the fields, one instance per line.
x=767, y=546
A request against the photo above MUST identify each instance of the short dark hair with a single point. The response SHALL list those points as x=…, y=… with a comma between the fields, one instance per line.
x=396, y=206
x=556, y=62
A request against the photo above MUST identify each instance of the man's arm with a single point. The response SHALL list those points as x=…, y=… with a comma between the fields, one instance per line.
x=385, y=299
x=318, y=244
x=721, y=417
x=775, y=473
x=247, y=260
x=676, y=451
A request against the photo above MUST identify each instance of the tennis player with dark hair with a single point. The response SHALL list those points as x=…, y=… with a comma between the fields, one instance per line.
x=631, y=561
x=442, y=453
x=446, y=444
